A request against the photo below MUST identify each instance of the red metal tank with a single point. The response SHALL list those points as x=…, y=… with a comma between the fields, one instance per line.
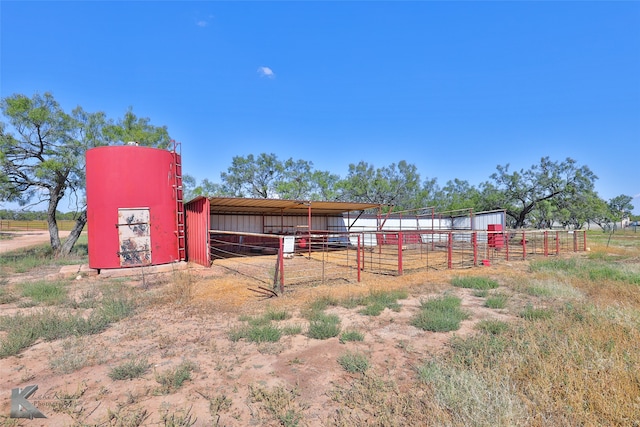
x=132, y=209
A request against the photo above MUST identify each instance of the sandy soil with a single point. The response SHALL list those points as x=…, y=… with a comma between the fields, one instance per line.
x=223, y=387
x=25, y=239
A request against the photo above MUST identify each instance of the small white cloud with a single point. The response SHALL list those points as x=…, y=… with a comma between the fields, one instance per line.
x=266, y=72
x=204, y=22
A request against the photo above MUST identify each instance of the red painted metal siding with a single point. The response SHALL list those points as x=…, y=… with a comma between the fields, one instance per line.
x=130, y=177
x=198, y=218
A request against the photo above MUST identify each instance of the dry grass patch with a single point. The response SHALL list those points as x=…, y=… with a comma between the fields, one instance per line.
x=595, y=386
x=179, y=418
x=181, y=289
x=278, y=404
x=127, y=417
x=7, y=295
x=75, y=354
x=375, y=401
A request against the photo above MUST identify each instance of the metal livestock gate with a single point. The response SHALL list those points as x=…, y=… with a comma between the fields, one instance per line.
x=271, y=241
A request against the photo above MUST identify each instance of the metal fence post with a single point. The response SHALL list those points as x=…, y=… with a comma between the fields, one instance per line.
x=474, y=239
x=450, y=250
x=506, y=245
x=400, y=241
x=281, y=261
x=358, y=258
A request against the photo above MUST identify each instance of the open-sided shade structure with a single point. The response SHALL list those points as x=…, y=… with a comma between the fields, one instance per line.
x=272, y=216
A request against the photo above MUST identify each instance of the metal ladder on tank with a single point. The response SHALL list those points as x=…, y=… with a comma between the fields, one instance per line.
x=179, y=195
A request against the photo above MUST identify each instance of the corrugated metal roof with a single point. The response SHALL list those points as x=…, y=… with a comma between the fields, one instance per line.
x=292, y=207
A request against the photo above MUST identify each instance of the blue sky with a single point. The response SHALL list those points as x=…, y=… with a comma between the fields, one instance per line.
x=455, y=88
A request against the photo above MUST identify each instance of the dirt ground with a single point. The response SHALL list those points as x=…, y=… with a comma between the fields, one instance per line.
x=225, y=385
x=25, y=239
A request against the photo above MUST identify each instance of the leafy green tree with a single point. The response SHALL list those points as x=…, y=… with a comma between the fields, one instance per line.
x=253, y=177
x=578, y=210
x=458, y=195
x=136, y=129
x=266, y=176
x=394, y=185
x=43, y=154
x=188, y=186
x=205, y=188
x=209, y=189
x=296, y=180
x=324, y=186
x=520, y=192
x=620, y=207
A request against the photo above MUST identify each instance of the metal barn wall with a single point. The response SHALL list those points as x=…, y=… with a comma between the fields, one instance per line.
x=197, y=228
x=482, y=221
x=291, y=224
x=276, y=224
x=240, y=223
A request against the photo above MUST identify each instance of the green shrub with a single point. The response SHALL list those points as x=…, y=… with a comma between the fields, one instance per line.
x=129, y=370
x=172, y=379
x=267, y=333
x=354, y=362
x=496, y=301
x=24, y=330
x=324, y=326
x=353, y=302
x=555, y=264
x=351, y=335
x=531, y=313
x=115, y=308
x=376, y=301
x=323, y=302
x=373, y=309
x=25, y=260
x=45, y=292
x=495, y=327
x=256, y=333
x=474, y=282
x=291, y=329
x=255, y=320
x=277, y=315
x=440, y=315
x=237, y=333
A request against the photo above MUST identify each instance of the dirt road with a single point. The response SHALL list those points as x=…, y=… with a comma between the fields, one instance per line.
x=25, y=239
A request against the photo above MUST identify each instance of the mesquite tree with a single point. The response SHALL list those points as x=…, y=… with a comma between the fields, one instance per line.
x=42, y=154
x=520, y=192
